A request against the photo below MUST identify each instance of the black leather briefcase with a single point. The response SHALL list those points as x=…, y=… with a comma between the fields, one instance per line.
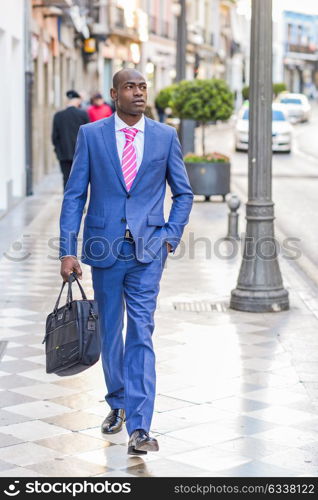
x=72, y=340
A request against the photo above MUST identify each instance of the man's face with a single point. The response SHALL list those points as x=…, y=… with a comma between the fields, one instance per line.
x=131, y=94
x=98, y=102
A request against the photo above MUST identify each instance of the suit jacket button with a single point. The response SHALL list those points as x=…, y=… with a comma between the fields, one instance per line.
x=128, y=195
x=123, y=219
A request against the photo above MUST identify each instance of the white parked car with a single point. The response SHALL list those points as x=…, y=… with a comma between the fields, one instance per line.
x=281, y=130
x=297, y=106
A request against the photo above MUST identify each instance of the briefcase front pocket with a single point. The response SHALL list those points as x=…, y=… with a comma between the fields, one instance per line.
x=62, y=347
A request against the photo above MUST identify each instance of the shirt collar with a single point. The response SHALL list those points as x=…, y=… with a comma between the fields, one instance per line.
x=119, y=124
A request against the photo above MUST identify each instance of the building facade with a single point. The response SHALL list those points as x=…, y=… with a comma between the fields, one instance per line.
x=300, y=51
x=12, y=120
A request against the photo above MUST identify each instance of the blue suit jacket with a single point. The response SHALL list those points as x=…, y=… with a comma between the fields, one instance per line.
x=111, y=206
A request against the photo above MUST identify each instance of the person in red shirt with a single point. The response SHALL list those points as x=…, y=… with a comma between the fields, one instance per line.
x=98, y=109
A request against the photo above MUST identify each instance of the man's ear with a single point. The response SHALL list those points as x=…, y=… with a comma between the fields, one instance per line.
x=113, y=94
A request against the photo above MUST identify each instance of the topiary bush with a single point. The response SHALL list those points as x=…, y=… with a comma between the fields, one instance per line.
x=203, y=101
x=278, y=88
x=165, y=96
x=245, y=92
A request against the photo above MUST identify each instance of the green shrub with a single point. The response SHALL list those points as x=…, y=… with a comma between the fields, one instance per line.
x=278, y=88
x=203, y=101
x=245, y=92
x=165, y=96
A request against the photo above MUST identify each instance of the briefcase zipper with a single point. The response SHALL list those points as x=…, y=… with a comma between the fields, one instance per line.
x=56, y=328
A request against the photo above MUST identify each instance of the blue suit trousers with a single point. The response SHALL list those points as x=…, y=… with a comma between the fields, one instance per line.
x=129, y=364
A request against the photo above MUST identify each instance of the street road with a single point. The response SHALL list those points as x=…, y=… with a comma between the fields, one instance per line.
x=295, y=185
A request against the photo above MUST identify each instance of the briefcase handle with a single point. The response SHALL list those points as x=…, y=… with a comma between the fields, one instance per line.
x=72, y=277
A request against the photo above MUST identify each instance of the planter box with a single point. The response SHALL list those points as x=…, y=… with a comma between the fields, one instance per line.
x=209, y=178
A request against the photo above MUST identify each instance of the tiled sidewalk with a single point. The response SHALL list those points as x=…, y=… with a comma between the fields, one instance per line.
x=236, y=392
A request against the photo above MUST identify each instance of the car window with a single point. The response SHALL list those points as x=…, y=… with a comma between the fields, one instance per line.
x=277, y=116
x=290, y=100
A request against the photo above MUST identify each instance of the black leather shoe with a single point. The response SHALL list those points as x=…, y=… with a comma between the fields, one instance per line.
x=114, y=421
x=140, y=442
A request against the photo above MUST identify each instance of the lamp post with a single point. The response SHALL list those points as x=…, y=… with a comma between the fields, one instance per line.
x=260, y=287
x=186, y=127
x=181, y=41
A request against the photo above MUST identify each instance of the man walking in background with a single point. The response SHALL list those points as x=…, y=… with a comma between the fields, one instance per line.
x=66, y=124
x=127, y=159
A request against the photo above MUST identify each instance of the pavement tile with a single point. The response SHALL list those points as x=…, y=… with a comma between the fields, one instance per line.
x=14, y=381
x=7, y=440
x=42, y=409
x=119, y=438
x=205, y=434
x=5, y=466
x=24, y=454
x=9, y=418
x=24, y=366
x=211, y=458
x=165, y=468
x=33, y=430
x=281, y=415
x=115, y=457
x=288, y=436
x=301, y=460
x=20, y=472
x=238, y=404
x=258, y=469
x=42, y=391
x=74, y=421
x=251, y=447
x=24, y=351
x=73, y=443
x=9, y=398
x=79, y=401
x=66, y=467
x=12, y=322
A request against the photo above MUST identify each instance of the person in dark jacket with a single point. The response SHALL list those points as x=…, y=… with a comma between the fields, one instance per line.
x=66, y=124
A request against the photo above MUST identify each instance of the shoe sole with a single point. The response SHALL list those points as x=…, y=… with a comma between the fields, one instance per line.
x=111, y=432
x=132, y=451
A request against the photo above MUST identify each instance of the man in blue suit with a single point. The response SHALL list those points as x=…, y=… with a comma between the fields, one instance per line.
x=127, y=159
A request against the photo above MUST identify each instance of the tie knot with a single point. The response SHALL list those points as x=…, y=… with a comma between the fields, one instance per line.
x=130, y=133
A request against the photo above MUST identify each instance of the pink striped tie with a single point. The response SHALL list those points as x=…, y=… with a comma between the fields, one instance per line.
x=129, y=159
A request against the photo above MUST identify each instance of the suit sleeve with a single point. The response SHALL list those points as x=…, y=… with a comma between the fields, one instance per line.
x=74, y=197
x=55, y=134
x=182, y=195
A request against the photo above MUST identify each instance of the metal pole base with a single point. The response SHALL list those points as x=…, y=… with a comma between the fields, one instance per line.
x=259, y=300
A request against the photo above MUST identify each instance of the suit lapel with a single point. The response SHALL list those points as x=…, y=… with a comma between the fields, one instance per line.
x=148, y=150
x=109, y=136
